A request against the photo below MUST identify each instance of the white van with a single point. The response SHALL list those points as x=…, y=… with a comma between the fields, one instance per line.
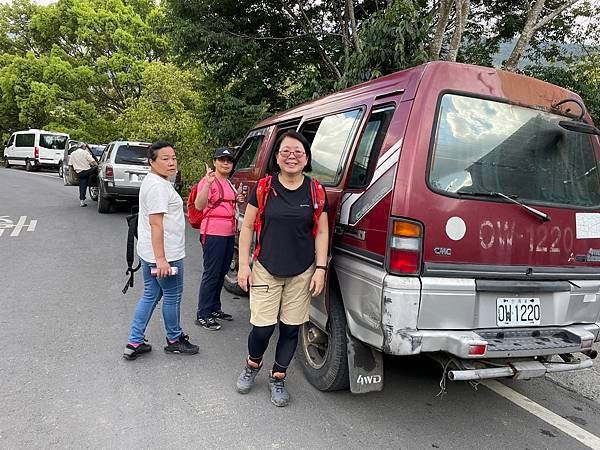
x=35, y=148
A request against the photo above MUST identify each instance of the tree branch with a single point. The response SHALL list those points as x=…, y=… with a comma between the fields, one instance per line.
x=550, y=17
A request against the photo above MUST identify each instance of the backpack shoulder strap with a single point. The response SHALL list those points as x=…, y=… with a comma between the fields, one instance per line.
x=132, y=222
x=262, y=192
x=317, y=197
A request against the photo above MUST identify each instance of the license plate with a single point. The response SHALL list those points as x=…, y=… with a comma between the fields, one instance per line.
x=517, y=312
x=137, y=177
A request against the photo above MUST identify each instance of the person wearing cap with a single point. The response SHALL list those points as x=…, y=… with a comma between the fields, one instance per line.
x=217, y=197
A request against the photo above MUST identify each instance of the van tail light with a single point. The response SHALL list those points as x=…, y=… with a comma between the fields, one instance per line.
x=404, y=257
x=477, y=350
x=109, y=174
x=36, y=153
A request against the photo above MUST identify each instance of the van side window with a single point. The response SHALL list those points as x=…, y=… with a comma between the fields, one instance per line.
x=25, y=140
x=370, y=146
x=107, y=154
x=330, y=137
x=248, y=152
x=11, y=141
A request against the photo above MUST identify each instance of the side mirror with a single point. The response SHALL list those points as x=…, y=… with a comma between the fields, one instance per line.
x=579, y=127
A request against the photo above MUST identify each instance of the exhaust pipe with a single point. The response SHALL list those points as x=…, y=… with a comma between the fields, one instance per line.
x=480, y=374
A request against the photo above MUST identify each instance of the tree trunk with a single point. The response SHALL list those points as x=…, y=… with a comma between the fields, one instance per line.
x=440, y=28
x=355, y=40
x=532, y=25
x=462, y=13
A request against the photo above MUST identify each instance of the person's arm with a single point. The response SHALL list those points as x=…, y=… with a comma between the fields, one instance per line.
x=244, y=272
x=90, y=159
x=157, y=235
x=202, y=195
x=321, y=246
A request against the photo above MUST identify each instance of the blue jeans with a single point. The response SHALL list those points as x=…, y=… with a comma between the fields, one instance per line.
x=171, y=290
x=217, y=252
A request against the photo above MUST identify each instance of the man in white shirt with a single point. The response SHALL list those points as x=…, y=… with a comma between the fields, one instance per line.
x=86, y=167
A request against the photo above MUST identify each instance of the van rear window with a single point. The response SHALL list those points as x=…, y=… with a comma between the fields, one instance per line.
x=132, y=154
x=53, y=141
x=483, y=146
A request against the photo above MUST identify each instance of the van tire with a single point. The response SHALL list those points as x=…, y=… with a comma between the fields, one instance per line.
x=230, y=283
x=28, y=166
x=60, y=169
x=104, y=204
x=6, y=163
x=333, y=374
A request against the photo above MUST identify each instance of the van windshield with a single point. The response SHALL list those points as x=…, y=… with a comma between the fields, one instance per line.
x=132, y=154
x=53, y=141
x=486, y=146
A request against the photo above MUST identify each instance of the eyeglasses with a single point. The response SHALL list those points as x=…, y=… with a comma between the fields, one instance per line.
x=297, y=153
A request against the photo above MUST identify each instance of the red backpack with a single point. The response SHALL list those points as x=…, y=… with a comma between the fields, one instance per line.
x=195, y=216
x=263, y=189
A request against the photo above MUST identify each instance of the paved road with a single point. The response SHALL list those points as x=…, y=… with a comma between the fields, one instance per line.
x=64, y=321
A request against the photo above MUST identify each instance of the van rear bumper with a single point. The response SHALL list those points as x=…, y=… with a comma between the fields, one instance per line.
x=498, y=343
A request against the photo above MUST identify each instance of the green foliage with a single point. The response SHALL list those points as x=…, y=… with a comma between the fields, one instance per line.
x=391, y=40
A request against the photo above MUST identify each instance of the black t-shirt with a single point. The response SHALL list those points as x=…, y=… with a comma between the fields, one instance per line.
x=287, y=245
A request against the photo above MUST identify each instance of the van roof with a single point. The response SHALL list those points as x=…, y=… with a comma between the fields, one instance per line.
x=36, y=130
x=443, y=74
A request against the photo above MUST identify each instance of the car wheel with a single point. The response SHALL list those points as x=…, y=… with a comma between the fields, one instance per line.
x=6, y=163
x=230, y=283
x=28, y=166
x=104, y=204
x=323, y=355
x=60, y=169
x=93, y=191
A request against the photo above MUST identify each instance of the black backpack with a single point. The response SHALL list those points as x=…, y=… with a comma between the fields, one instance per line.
x=132, y=223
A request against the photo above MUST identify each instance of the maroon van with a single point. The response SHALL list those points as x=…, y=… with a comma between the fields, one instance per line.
x=465, y=224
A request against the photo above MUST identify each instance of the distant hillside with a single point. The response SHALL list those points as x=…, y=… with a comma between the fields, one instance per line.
x=506, y=48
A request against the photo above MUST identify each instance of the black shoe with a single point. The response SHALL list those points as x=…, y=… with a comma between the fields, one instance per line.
x=208, y=324
x=222, y=316
x=182, y=345
x=132, y=352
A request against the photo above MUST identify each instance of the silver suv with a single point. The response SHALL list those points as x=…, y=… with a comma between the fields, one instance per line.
x=123, y=166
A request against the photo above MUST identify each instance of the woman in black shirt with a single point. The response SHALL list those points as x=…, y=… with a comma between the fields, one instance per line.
x=291, y=262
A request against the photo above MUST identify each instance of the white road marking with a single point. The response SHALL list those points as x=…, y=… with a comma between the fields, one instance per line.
x=583, y=436
x=49, y=175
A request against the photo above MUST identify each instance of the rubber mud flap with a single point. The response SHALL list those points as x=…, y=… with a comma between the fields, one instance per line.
x=365, y=366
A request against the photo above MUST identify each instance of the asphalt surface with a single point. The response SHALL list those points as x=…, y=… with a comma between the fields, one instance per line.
x=64, y=384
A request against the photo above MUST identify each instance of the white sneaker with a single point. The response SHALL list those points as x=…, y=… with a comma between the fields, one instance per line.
x=82, y=203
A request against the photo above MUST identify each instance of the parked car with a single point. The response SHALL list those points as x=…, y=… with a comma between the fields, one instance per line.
x=463, y=209
x=96, y=151
x=34, y=149
x=123, y=166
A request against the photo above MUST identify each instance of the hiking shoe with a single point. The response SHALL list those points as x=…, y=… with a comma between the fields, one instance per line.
x=208, y=323
x=132, y=352
x=246, y=379
x=222, y=315
x=182, y=345
x=279, y=394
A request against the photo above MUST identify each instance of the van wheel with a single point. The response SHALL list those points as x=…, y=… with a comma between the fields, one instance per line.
x=104, y=204
x=60, y=169
x=323, y=355
x=230, y=283
x=6, y=163
x=28, y=166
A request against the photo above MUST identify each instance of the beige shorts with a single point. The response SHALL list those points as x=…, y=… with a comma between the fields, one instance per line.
x=285, y=297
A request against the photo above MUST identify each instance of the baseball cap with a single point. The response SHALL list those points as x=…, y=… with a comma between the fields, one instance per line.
x=223, y=152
